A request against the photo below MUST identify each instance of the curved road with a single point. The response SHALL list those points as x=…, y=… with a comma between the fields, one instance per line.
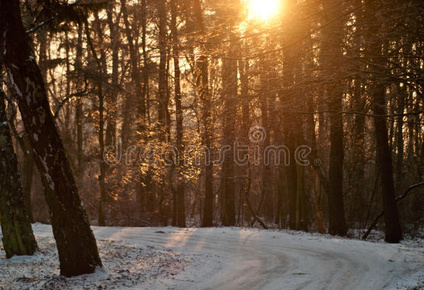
x=234, y=258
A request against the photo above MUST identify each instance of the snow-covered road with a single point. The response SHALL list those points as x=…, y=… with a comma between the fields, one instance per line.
x=234, y=258
x=257, y=259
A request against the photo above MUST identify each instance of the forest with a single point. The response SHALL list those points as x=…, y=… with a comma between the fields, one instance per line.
x=276, y=114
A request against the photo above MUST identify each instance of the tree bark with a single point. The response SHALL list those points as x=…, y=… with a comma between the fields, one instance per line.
x=78, y=253
x=203, y=84
x=27, y=180
x=79, y=102
x=393, y=231
x=27, y=165
x=110, y=136
x=332, y=57
x=229, y=79
x=180, y=202
x=102, y=70
x=163, y=102
x=291, y=122
x=18, y=238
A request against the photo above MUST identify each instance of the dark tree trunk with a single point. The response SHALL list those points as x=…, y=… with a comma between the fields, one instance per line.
x=399, y=173
x=102, y=177
x=267, y=204
x=163, y=94
x=75, y=241
x=358, y=148
x=332, y=57
x=180, y=205
x=384, y=160
x=27, y=167
x=291, y=122
x=143, y=111
x=208, y=208
x=110, y=113
x=28, y=176
x=18, y=238
x=337, y=224
x=229, y=79
x=110, y=136
x=136, y=93
x=393, y=231
x=79, y=103
x=359, y=191
x=203, y=84
x=145, y=194
x=162, y=101
x=244, y=99
x=102, y=70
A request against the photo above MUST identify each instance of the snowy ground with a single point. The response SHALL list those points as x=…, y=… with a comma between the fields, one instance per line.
x=222, y=258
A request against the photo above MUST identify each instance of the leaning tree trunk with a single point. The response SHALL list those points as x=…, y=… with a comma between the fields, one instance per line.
x=18, y=238
x=75, y=241
x=28, y=168
x=27, y=173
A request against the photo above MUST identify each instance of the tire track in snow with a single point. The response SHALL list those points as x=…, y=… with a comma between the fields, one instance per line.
x=233, y=258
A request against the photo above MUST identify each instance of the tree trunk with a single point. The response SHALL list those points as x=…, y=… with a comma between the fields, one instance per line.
x=203, y=85
x=179, y=120
x=163, y=102
x=393, y=231
x=229, y=79
x=27, y=167
x=291, y=122
x=267, y=193
x=110, y=136
x=75, y=241
x=331, y=57
x=337, y=224
x=79, y=102
x=28, y=177
x=136, y=93
x=146, y=200
x=27, y=164
x=244, y=99
x=18, y=238
x=102, y=70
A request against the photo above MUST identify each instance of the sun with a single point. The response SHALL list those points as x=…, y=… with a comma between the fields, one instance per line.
x=264, y=9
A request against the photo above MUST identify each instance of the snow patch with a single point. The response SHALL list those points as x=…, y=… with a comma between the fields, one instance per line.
x=126, y=265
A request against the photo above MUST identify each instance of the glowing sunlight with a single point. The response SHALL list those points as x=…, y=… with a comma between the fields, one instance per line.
x=264, y=9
